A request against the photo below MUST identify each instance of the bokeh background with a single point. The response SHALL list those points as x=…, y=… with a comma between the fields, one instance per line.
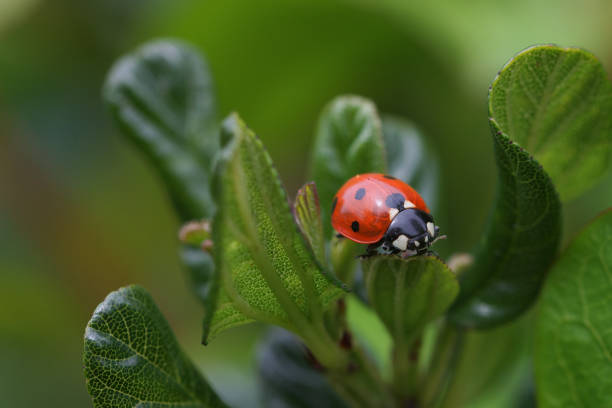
x=82, y=213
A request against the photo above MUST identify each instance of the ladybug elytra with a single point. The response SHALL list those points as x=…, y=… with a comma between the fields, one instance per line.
x=386, y=213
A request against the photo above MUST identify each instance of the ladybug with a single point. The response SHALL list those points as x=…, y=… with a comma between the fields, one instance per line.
x=386, y=213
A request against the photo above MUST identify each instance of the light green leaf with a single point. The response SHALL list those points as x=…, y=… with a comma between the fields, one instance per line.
x=161, y=97
x=268, y=272
x=573, y=362
x=132, y=358
x=348, y=141
x=557, y=104
x=411, y=159
x=408, y=293
x=307, y=215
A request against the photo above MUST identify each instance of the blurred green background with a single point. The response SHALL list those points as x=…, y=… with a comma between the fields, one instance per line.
x=81, y=212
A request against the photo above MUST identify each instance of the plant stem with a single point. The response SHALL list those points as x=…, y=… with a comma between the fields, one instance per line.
x=405, y=369
x=360, y=383
x=447, y=356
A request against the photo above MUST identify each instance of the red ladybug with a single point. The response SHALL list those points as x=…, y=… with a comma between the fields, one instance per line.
x=384, y=212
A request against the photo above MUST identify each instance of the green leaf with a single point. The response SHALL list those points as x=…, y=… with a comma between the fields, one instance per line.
x=132, y=358
x=408, y=293
x=525, y=226
x=307, y=215
x=268, y=272
x=289, y=378
x=411, y=159
x=161, y=96
x=557, y=103
x=573, y=362
x=348, y=141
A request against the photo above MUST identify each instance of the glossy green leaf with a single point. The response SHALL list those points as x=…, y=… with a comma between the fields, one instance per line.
x=348, y=141
x=408, y=293
x=132, y=358
x=573, y=359
x=289, y=378
x=161, y=96
x=411, y=159
x=525, y=226
x=268, y=272
x=519, y=246
x=307, y=215
x=557, y=104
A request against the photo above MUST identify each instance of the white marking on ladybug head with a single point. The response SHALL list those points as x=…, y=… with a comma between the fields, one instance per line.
x=401, y=242
x=392, y=213
x=417, y=243
x=426, y=238
x=408, y=204
x=431, y=229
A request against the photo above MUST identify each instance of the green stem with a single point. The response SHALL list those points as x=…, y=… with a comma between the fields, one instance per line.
x=405, y=369
x=360, y=383
x=444, y=365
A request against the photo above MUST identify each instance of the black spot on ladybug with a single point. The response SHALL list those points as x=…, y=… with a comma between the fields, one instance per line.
x=395, y=200
x=355, y=226
x=334, y=204
x=359, y=194
x=389, y=177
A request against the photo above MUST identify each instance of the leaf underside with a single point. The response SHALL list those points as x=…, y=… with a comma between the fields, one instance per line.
x=307, y=215
x=573, y=361
x=132, y=359
x=267, y=270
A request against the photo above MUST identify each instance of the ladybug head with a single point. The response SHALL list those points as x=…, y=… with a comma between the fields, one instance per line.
x=412, y=232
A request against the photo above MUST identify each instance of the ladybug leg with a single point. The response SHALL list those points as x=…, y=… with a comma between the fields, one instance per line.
x=339, y=236
x=431, y=252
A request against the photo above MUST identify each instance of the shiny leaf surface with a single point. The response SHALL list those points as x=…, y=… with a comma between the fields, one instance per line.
x=289, y=378
x=573, y=341
x=161, y=96
x=525, y=226
x=348, y=141
x=519, y=246
x=411, y=159
x=132, y=358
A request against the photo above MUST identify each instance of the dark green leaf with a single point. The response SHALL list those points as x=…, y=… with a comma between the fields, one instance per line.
x=132, y=358
x=410, y=159
x=307, y=214
x=557, y=103
x=520, y=243
x=574, y=341
x=531, y=94
x=348, y=142
x=268, y=272
x=408, y=293
x=161, y=97
x=289, y=378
